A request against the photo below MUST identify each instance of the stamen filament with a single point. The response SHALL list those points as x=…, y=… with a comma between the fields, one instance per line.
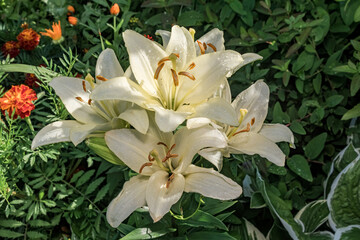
x=247, y=129
x=170, y=179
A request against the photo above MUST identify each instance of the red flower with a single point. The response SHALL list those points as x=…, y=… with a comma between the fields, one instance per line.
x=28, y=39
x=31, y=80
x=149, y=37
x=11, y=48
x=19, y=98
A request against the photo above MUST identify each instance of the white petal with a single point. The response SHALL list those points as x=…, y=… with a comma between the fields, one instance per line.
x=209, y=72
x=213, y=155
x=168, y=120
x=182, y=43
x=224, y=91
x=277, y=133
x=210, y=183
x=131, y=197
x=132, y=148
x=144, y=56
x=137, y=117
x=54, y=133
x=190, y=141
x=217, y=109
x=165, y=35
x=255, y=99
x=159, y=198
x=248, y=58
x=121, y=89
x=108, y=66
x=78, y=134
x=254, y=143
x=215, y=37
x=68, y=89
x=129, y=74
x=197, y=122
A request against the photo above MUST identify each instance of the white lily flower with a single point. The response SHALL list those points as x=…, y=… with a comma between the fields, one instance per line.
x=163, y=161
x=92, y=117
x=173, y=81
x=251, y=136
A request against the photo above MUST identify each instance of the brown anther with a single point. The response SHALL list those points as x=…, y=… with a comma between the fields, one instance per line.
x=148, y=164
x=212, y=46
x=191, y=66
x=252, y=121
x=164, y=144
x=84, y=86
x=163, y=60
x=175, y=77
x=177, y=55
x=150, y=158
x=89, y=101
x=201, y=46
x=205, y=47
x=170, y=179
x=101, y=78
x=157, y=72
x=186, y=74
x=80, y=99
x=247, y=129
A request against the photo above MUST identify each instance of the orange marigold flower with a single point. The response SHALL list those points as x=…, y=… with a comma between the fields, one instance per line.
x=18, y=98
x=10, y=48
x=115, y=9
x=71, y=9
x=28, y=39
x=25, y=25
x=72, y=20
x=31, y=80
x=55, y=33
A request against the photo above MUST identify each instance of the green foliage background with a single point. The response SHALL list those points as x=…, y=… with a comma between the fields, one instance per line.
x=311, y=55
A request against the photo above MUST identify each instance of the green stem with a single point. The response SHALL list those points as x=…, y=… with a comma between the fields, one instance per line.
x=25, y=69
x=181, y=217
x=28, y=121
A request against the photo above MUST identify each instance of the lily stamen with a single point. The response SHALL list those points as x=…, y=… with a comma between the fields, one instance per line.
x=212, y=46
x=150, y=158
x=89, y=101
x=170, y=179
x=191, y=66
x=148, y=164
x=175, y=77
x=80, y=99
x=201, y=46
x=252, y=121
x=169, y=155
x=157, y=72
x=247, y=129
x=161, y=143
x=84, y=86
x=163, y=60
x=101, y=78
x=186, y=74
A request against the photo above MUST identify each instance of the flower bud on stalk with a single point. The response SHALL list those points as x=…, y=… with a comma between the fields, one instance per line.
x=115, y=9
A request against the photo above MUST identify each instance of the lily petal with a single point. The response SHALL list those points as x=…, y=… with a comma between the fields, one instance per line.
x=210, y=183
x=78, y=134
x=197, y=122
x=165, y=35
x=277, y=133
x=217, y=109
x=131, y=197
x=214, y=37
x=214, y=156
x=54, y=132
x=132, y=148
x=248, y=58
x=253, y=143
x=68, y=89
x=108, y=65
x=137, y=117
x=224, y=91
x=168, y=120
x=145, y=55
x=255, y=99
x=161, y=195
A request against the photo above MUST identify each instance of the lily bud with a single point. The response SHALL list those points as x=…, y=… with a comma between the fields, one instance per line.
x=98, y=145
x=115, y=9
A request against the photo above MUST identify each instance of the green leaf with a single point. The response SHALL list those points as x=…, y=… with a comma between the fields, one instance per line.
x=274, y=169
x=204, y=219
x=313, y=215
x=147, y=233
x=345, y=69
x=214, y=206
x=190, y=18
x=352, y=113
x=334, y=100
x=317, y=83
x=343, y=200
x=76, y=203
x=320, y=236
x=39, y=223
x=257, y=201
x=9, y=223
x=296, y=127
x=101, y=194
x=355, y=84
x=210, y=236
x=315, y=146
x=300, y=166
x=84, y=178
x=357, y=15
x=10, y=234
x=252, y=233
x=236, y=6
x=92, y=186
x=351, y=232
x=37, y=235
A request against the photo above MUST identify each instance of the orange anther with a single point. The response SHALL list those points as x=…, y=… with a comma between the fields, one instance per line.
x=175, y=77
x=84, y=86
x=186, y=74
x=201, y=46
x=89, y=101
x=101, y=78
x=191, y=66
x=252, y=121
x=163, y=60
x=247, y=129
x=212, y=46
x=80, y=99
x=170, y=179
x=204, y=44
x=150, y=158
x=164, y=144
x=157, y=72
x=148, y=164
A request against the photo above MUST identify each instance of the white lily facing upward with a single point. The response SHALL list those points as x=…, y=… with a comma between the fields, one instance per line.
x=251, y=136
x=163, y=161
x=173, y=81
x=93, y=118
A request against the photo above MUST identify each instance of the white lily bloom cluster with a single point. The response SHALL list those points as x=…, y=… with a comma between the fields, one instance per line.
x=165, y=86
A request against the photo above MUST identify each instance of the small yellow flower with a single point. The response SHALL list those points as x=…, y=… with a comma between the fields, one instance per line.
x=55, y=33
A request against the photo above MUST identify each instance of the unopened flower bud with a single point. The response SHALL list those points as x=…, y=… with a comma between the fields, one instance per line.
x=72, y=20
x=115, y=9
x=98, y=145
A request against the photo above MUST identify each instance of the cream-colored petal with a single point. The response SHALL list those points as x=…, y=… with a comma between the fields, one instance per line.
x=210, y=183
x=68, y=89
x=217, y=109
x=79, y=133
x=213, y=155
x=190, y=141
x=168, y=120
x=197, y=122
x=131, y=197
x=54, y=133
x=144, y=56
x=132, y=148
x=214, y=37
x=165, y=35
x=248, y=58
x=253, y=143
x=182, y=43
x=137, y=117
x=224, y=91
x=209, y=72
x=255, y=100
x=160, y=195
x=108, y=66
x=277, y=133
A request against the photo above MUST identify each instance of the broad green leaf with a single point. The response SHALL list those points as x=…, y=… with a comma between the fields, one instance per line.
x=296, y=127
x=204, y=219
x=245, y=230
x=36, y=235
x=10, y=234
x=355, y=84
x=93, y=185
x=315, y=146
x=210, y=236
x=274, y=169
x=351, y=232
x=357, y=15
x=334, y=100
x=102, y=192
x=39, y=223
x=257, y=201
x=300, y=166
x=352, y=113
x=313, y=215
x=76, y=203
x=317, y=83
x=84, y=178
x=190, y=18
x=9, y=223
x=320, y=236
x=147, y=233
x=345, y=69
x=213, y=206
x=343, y=200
